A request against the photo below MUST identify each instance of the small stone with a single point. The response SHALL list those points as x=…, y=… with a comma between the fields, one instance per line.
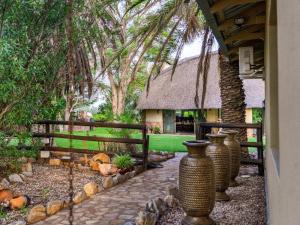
x=36, y=214
x=102, y=157
x=53, y=207
x=18, y=202
x=15, y=178
x=91, y=189
x=28, y=174
x=45, y=154
x=27, y=167
x=108, y=182
x=128, y=223
x=4, y=183
x=145, y=218
x=55, y=162
x=79, y=197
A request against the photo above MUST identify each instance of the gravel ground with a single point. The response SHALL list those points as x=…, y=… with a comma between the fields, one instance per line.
x=247, y=205
x=48, y=183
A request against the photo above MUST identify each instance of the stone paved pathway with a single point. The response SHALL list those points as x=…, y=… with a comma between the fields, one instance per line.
x=121, y=203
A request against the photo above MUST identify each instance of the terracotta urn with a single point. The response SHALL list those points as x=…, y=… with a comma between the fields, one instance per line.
x=220, y=156
x=197, y=184
x=235, y=151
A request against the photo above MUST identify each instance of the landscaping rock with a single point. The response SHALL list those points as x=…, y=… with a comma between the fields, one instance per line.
x=121, y=178
x=4, y=184
x=105, y=169
x=156, y=206
x=79, y=197
x=53, y=207
x=108, y=182
x=36, y=214
x=45, y=154
x=28, y=174
x=94, y=165
x=131, y=174
x=6, y=195
x=171, y=201
x=27, y=167
x=102, y=157
x=55, y=162
x=15, y=178
x=146, y=218
x=18, y=202
x=138, y=169
x=91, y=189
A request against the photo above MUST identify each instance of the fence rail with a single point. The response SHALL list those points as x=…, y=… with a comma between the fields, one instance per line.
x=144, y=141
x=204, y=128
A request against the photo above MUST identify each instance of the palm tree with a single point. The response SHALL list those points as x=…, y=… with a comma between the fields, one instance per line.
x=232, y=95
x=232, y=92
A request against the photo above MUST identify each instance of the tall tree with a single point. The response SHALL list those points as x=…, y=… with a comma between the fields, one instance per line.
x=232, y=95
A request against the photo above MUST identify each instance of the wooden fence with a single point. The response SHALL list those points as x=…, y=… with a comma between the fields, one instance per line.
x=204, y=128
x=144, y=141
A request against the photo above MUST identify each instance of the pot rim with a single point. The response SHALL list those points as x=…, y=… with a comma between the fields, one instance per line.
x=216, y=135
x=195, y=143
x=228, y=132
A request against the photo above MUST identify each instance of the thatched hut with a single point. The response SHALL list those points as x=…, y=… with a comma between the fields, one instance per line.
x=170, y=106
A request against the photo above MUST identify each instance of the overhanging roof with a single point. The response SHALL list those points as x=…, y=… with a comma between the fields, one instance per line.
x=220, y=16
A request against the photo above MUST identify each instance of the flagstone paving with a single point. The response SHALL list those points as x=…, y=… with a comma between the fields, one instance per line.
x=122, y=203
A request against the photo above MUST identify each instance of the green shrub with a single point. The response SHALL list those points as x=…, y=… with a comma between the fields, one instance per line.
x=123, y=161
x=156, y=130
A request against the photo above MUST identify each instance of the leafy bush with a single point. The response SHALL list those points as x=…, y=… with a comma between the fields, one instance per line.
x=156, y=130
x=257, y=115
x=123, y=161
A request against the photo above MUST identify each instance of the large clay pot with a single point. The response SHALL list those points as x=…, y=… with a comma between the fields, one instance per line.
x=220, y=156
x=235, y=151
x=197, y=184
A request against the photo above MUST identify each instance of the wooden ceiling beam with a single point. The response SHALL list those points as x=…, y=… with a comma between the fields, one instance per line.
x=222, y=4
x=249, y=21
x=245, y=36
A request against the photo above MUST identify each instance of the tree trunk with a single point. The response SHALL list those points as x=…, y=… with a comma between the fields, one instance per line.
x=118, y=100
x=232, y=96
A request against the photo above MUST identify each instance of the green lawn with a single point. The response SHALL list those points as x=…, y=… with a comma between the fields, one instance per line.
x=158, y=142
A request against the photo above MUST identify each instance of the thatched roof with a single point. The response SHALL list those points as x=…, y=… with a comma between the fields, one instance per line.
x=180, y=93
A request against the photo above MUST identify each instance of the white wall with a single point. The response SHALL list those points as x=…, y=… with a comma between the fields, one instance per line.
x=283, y=113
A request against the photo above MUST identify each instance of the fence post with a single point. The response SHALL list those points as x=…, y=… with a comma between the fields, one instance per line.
x=260, y=153
x=47, y=130
x=145, y=147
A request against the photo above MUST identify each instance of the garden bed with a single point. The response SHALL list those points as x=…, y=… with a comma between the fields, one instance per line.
x=47, y=184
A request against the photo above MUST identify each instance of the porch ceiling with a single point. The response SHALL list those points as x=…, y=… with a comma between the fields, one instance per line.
x=221, y=16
